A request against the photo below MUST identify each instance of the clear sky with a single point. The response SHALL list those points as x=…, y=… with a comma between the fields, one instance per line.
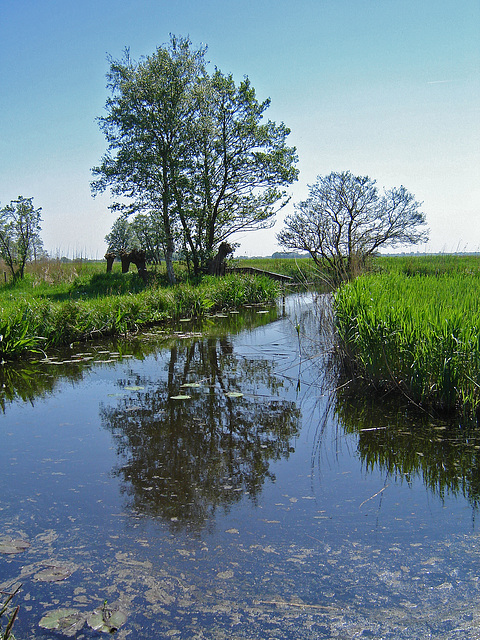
x=385, y=88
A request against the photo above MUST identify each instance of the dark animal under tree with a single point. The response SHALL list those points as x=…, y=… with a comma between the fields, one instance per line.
x=136, y=257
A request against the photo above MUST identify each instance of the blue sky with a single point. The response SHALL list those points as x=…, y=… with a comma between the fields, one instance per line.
x=385, y=88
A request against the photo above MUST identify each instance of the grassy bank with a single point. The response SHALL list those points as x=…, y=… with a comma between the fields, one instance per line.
x=418, y=334
x=39, y=314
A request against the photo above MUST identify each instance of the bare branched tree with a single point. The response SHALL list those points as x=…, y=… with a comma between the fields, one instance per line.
x=345, y=219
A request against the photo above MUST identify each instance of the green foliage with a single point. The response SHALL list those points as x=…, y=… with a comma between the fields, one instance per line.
x=190, y=151
x=122, y=237
x=15, y=334
x=237, y=290
x=19, y=234
x=242, y=166
x=419, y=334
x=148, y=230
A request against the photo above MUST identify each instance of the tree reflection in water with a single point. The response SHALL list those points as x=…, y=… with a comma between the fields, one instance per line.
x=183, y=459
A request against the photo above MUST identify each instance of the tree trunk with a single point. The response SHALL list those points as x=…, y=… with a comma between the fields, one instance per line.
x=169, y=264
x=167, y=222
x=125, y=259
x=188, y=237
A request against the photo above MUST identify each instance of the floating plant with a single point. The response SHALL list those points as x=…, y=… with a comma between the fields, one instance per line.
x=11, y=546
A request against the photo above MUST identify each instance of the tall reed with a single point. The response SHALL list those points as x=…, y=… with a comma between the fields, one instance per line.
x=419, y=334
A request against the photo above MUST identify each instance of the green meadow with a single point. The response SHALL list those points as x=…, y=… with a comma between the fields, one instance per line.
x=302, y=270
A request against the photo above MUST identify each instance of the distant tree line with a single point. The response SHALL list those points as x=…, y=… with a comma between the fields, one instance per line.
x=292, y=255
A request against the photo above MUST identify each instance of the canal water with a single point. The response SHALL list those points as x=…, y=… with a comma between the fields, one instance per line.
x=226, y=481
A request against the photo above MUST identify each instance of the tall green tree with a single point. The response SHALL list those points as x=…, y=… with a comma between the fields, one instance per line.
x=238, y=170
x=148, y=230
x=20, y=234
x=146, y=131
x=192, y=151
x=122, y=236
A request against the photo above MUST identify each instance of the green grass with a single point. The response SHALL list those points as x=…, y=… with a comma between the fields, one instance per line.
x=37, y=314
x=419, y=334
x=302, y=270
x=429, y=265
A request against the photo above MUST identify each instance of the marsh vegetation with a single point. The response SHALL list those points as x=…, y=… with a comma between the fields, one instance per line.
x=413, y=328
x=57, y=304
x=407, y=325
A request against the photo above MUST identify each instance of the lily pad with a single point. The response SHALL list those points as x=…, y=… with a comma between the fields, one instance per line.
x=11, y=546
x=107, y=619
x=180, y=397
x=55, y=573
x=191, y=385
x=66, y=621
x=134, y=388
x=234, y=394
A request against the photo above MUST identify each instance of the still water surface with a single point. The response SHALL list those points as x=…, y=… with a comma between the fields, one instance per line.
x=214, y=485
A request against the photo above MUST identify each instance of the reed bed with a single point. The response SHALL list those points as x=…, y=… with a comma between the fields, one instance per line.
x=418, y=334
